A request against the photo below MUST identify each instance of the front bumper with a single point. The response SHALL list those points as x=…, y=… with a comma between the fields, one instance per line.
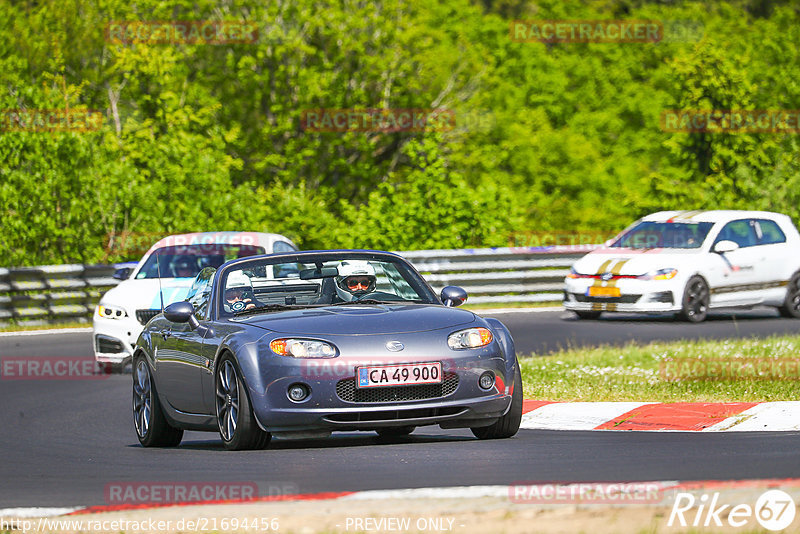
x=461, y=413
x=114, y=339
x=332, y=406
x=636, y=296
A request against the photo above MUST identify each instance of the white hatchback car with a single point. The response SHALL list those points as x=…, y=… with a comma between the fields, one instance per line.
x=688, y=262
x=166, y=272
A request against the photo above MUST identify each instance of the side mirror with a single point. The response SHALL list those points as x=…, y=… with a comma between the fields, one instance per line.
x=123, y=274
x=181, y=312
x=453, y=296
x=721, y=247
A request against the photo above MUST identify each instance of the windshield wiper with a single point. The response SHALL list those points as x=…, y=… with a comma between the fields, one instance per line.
x=363, y=301
x=267, y=308
x=374, y=301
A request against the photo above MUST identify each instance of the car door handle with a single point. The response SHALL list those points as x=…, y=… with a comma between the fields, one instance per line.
x=166, y=333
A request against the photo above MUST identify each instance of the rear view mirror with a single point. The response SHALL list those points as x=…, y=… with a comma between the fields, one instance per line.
x=721, y=247
x=453, y=296
x=322, y=272
x=123, y=273
x=181, y=312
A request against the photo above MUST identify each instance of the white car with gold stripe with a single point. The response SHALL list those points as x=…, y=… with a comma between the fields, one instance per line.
x=689, y=262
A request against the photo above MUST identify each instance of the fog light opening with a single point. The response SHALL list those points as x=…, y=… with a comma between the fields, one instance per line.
x=486, y=381
x=298, y=392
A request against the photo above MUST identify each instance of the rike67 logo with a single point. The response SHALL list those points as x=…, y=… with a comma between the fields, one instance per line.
x=774, y=510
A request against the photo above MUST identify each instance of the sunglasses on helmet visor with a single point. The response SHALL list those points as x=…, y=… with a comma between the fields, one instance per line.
x=354, y=282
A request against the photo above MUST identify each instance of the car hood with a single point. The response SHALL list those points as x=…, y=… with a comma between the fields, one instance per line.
x=362, y=320
x=634, y=261
x=144, y=294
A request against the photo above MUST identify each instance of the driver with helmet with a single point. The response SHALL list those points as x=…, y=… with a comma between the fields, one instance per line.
x=184, y=267
x=355, y=280
x=239, y=293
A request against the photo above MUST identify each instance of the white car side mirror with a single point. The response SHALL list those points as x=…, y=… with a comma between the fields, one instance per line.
x=721, y=247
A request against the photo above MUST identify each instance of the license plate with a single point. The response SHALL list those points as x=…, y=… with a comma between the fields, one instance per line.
x=399, y=375
x=603, y=292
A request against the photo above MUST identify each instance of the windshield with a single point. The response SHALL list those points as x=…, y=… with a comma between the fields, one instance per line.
x=648, y=234
x=185, y=261
x=326, y=280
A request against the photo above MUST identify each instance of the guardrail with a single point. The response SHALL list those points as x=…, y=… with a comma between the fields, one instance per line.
x=500, y=275
x=69, y=293
x=52, y=294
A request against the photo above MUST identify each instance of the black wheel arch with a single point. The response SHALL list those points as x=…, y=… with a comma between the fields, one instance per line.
x=226, y=352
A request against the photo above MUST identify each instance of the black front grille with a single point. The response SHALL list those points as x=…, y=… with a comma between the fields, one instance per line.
x=624, y=299
x=393, y=415
x=145, y=315
x=108, y=345
x=662, y=296
x=347, y=391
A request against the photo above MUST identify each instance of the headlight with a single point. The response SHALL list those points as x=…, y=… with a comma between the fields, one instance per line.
x=471, y=338
x=661, y=274
x=111, y=312
x=573, y=274
x=302, y=348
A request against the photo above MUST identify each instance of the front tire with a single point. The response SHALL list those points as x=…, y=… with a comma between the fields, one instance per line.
x=151, y=426
x=696, y=298
x=508, y=425
x=791, y=305
x=237, y=424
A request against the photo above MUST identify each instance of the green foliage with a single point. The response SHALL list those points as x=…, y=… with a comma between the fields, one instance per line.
x=561, y=137
x=431, y=206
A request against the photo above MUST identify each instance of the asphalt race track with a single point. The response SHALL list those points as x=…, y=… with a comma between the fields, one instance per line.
x=63, y=441
x=545, y=332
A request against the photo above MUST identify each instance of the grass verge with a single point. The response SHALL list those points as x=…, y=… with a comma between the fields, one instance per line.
x=745, y=370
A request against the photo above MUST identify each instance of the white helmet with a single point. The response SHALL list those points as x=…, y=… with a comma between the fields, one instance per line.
x=238, y=279
x=356, y=279
x=238, y=285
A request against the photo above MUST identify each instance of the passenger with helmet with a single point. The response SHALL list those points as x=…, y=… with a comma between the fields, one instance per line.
x=239, y=294
x=355, y=280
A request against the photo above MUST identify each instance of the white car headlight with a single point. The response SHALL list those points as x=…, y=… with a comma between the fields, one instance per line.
x=302, y=348
x=111, y=312
x=471, y=338
x=661, y=274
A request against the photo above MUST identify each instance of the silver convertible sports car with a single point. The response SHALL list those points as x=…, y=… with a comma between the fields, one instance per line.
x=302, y=344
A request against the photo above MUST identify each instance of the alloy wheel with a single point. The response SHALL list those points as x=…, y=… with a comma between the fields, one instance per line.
x=142, y=399
x=227, y=400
